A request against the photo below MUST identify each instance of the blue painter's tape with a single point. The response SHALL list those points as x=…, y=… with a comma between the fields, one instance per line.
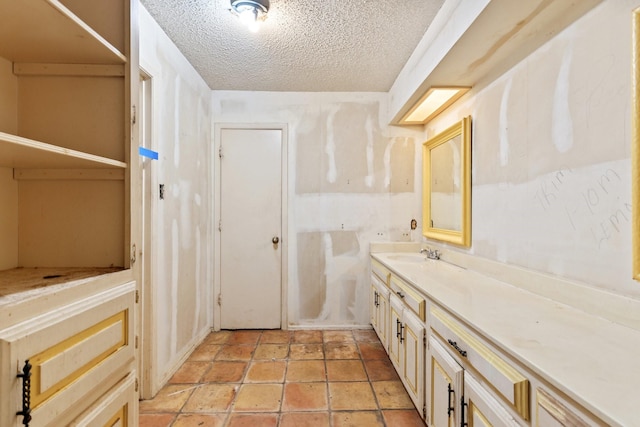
x=145, y=152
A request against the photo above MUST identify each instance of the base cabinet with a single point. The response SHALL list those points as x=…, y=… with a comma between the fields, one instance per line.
x=406, y=349
x=456, y=398
x=67, y=359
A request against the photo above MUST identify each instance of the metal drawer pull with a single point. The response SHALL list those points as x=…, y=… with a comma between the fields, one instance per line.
x=454, y=344
x=26, y=394
x=400, y=294
x=463, y=404
x=450, y=407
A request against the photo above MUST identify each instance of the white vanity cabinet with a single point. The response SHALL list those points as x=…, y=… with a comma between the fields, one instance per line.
x=406, y=349
x=498, y=355
x=455, y=397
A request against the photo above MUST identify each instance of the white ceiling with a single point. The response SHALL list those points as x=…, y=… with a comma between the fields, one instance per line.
x=304, y=45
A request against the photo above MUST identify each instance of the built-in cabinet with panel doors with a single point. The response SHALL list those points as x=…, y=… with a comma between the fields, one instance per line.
x=407, y=338
x=461, y=377
x=484, y=373
x=379, y=310
x=69, y=218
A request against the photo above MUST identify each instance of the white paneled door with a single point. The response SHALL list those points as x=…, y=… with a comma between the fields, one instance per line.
x=250, y=228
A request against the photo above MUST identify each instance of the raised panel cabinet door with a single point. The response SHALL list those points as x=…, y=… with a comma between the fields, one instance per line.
x=373, y=307
x=445, y=390
x=483, y=409
x=383, y=318
x=395, y=331
x=413, y=354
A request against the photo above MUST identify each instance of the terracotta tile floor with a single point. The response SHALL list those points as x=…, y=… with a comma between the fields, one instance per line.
x=284, y=379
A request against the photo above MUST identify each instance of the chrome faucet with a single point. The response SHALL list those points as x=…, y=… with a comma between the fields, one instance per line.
x=431, y=253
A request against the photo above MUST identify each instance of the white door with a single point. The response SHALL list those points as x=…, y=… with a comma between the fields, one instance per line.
x=250, y=228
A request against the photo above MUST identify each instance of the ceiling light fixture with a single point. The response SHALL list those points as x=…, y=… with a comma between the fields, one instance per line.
x=435, y=101
x=250, y=12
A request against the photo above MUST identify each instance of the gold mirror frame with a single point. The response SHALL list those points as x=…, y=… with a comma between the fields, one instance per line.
x=635, y=148
x=460, y=237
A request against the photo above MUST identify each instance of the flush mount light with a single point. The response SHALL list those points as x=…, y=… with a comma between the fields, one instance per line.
x=435, y=101
x=250, y=12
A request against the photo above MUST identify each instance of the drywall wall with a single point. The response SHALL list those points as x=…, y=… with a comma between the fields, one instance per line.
x=551, y=155
x=351, y=180
x=181, y=223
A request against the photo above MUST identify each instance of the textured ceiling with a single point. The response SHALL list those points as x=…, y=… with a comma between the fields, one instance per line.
x=304, y=45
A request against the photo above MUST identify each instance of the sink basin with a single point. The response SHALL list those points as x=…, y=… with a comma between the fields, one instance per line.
x=407, y=258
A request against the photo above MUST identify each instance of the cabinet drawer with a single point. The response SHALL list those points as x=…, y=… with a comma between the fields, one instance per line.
x=553, y=411
x=504, y=378
x=116, y=408
x=380, y=271
x=411, y=298
x=76, y=352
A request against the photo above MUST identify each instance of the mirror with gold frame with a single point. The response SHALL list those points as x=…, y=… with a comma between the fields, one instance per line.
x=635, y=148
x=446, y=181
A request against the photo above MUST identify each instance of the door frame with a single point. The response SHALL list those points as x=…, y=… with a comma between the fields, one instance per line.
x=284, y=238
x=147, y=315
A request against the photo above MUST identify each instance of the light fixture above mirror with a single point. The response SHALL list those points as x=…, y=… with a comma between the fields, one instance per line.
x=250, y=12
x=436, y=100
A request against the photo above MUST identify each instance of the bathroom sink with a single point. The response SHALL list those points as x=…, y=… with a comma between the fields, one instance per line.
x=407, y=258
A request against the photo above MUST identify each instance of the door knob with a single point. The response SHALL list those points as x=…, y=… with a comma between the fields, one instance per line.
x=275, y=240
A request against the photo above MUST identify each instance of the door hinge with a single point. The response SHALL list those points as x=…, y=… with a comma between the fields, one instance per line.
x=137, y=296
x=136, y=386
x=220, y=300
x=220, y=153
x=220, y=225
x=424, y=412
x=133, y=115
x=424, y=339
x=136, y=341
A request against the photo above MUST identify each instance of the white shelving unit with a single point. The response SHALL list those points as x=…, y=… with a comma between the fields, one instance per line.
x=68, y=83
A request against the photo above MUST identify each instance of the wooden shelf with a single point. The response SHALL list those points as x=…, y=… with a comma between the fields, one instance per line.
x=19, y=152
x=45, y=31
x=19, y=280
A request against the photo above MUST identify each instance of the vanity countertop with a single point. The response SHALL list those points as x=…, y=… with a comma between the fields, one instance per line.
x=591, y=359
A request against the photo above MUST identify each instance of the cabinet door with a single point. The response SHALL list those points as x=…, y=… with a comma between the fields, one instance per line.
x=413, y=358
x=481, y=408
x=395, y=331
x=373, y=307
x=380, y=293
x=445, y=390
